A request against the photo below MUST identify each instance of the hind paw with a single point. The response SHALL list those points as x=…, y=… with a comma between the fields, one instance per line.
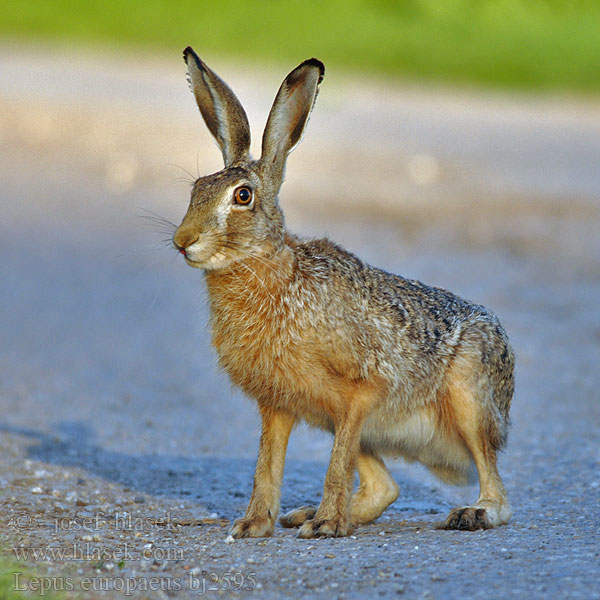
x=297, y=517
x=325, y=528
x=470, y=518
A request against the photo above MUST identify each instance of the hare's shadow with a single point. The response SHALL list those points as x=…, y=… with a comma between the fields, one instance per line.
x=221, y=484
x=218, y=483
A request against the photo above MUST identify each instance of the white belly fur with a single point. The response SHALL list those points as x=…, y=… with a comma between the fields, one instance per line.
x=416, y=436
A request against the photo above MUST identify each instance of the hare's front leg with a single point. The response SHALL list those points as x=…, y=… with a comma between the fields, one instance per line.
x=263, y=508
x=332, y=518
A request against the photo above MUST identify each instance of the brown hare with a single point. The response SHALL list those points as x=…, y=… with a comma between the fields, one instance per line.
x=390, y=366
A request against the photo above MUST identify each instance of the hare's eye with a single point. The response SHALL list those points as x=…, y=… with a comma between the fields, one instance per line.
x=242, y=195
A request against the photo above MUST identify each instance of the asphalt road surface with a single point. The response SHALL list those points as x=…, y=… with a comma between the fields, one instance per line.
x=126, y=454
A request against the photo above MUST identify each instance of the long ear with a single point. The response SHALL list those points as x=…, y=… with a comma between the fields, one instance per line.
x=221, y=110
x=290, y=113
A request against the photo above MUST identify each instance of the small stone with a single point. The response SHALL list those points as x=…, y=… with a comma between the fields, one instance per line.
x=145, y=564
x=330, y=556
x=37, y=490
x=229, y=539
x=139, y=499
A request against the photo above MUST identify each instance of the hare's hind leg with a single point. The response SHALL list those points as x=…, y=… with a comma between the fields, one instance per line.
x=376, y=491
x=478, y=432
x=295, y=518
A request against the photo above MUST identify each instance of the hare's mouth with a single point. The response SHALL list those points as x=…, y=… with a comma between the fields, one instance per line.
x=214, y=261
x=194, y=263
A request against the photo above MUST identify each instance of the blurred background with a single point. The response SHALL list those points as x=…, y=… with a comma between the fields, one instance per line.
x=540, y=44
x=456, y=142
x=430, y=110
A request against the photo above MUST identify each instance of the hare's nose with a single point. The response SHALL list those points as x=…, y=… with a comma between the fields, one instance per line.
x=184, y=238
x=180, y=248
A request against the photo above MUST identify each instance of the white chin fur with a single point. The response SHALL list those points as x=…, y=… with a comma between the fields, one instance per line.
x=216, y=261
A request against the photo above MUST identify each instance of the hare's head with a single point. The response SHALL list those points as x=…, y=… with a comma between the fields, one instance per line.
x=235, y=213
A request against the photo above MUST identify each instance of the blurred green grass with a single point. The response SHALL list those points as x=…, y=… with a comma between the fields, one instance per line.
x=27, y=579
x=546, y=44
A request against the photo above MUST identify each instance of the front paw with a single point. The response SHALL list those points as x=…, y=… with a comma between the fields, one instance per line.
x=252, y=527
x=325, y=528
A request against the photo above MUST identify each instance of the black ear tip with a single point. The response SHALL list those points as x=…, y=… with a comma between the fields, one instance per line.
x=315, y=62
x=189, y=51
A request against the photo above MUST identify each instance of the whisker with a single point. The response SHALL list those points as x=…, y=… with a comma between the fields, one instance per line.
x=266, y=264
x=193, y=179
x=152, y=216
x=165, y=230
x=156, y=220
x=253, y=272
x=233, y=245
x=187, y=180
x=162, y=225
x=155, y=297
